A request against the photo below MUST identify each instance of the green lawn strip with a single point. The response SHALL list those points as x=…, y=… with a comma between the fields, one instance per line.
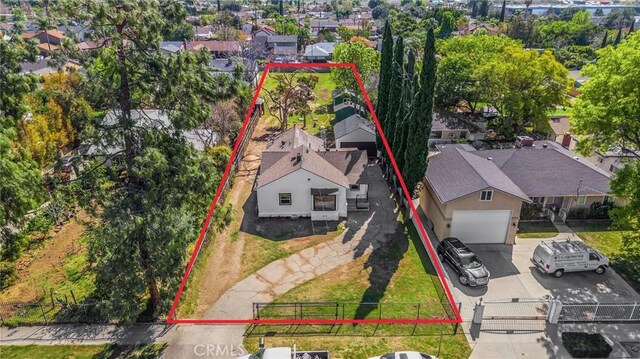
x=409, y=286
x=110, y=351
x=610, y=242
x=323, y=90
x=261, y=251
x=189, y=297
x=537, y=230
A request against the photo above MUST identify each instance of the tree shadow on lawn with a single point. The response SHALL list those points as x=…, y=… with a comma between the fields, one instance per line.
x=140, y=351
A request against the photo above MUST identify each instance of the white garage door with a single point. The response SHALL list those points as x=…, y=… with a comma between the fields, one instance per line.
x=480, y=226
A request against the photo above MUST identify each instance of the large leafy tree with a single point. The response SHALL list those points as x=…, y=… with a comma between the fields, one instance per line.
x=523, y=86
x=366, y=60
x=21, y=184
x=386, y=63
x=461, y=57
x=415, y=159
x=607, y=115
x=151, y=211
x=291, y=94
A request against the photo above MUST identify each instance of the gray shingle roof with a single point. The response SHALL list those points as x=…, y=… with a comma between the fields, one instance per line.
x=351, y=163
x=534, y=171
x=552, y=171
x=283, y=38
x=320, y=49
x=456, y=173
x=295, y=137
x=351, y=124
x=309, y=161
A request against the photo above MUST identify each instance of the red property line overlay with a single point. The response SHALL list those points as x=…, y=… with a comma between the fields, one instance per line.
x=234, y=153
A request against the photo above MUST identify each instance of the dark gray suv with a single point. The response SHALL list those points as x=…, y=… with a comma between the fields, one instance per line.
x=469, y=268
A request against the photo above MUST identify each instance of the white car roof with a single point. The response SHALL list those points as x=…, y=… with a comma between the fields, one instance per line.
x=277, y=353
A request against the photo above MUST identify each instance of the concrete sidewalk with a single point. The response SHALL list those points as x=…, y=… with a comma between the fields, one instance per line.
x=87, y=334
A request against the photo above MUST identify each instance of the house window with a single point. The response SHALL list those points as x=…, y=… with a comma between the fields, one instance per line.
x=486, y=196
x=582, y=200
x=324, y=202
x=355, y=187
x=285, y=199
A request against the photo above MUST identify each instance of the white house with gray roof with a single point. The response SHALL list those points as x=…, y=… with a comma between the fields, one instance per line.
x=478, y=196
x=298, y=177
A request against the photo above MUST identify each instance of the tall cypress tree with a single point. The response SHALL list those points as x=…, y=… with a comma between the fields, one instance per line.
x=402, y=122
x=618, y=37
x=386, y=60
x=503, y=11
x=415, y=158
x=395, y=91
x=633, y=26
x=281, y=8
x=474, y=10
x=605, y=39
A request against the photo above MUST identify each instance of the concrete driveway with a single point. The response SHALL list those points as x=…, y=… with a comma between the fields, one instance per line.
x=513, y=276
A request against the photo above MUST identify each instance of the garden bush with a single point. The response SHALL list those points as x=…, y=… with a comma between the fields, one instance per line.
x=585, y=345
x=7, y=274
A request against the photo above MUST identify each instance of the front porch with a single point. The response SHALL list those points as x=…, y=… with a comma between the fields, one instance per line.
x=559, y=208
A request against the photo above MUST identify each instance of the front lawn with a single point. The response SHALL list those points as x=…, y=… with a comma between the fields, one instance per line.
x=111, y=351
x=625, y=260
x=397, y=280
x=544, y=229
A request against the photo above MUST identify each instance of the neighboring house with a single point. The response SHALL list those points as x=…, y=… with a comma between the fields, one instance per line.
x=218, y=49
x=148, y=118
x=53, y=37
x=224, y=66
x=578, y=78
x=320, y=52
x=477, y=196
x=561, y=132
x=298, y=177
x=79, y=31
x=319, y=25
x=203, y=32
x=282, y=45
x=44, y=67
x=356, y=132
x=613, y=160
x=171, y=47
x=448, y=127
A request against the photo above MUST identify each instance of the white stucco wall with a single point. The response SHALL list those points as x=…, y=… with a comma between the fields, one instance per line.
x=358, y=135
x=299, y=184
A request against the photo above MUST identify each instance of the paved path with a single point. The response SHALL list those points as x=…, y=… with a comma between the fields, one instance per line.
x=86, y=334
x=365, y=231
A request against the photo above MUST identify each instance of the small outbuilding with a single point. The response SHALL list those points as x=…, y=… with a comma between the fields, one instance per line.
x=356, y=132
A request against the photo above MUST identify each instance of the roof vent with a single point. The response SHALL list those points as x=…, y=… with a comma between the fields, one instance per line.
x=298, y=157
x=490, y=158
x=576, y=158
x=545, y=145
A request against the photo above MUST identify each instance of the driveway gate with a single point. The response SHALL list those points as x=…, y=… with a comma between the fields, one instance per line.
x=599, y=312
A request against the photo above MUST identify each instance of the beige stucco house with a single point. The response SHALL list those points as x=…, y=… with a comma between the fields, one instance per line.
x=479, y=196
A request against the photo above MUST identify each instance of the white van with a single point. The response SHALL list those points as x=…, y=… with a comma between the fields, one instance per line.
x=555, y=258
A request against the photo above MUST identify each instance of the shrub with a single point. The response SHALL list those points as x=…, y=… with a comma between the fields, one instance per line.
x=585, y=345
x=7, y=274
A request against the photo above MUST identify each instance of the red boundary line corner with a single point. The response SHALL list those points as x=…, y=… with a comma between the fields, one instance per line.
x=172, y=313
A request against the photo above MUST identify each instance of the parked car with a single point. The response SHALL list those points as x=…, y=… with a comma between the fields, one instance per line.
x=469, y=268
x=556, y=258
x=405, y=355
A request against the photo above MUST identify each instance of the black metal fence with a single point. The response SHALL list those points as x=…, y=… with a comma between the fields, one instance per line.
x=349, y=310
x=43, y=313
